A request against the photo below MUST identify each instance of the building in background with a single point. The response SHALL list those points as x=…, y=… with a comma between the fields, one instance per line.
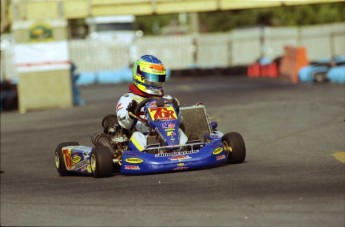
x=112, y=28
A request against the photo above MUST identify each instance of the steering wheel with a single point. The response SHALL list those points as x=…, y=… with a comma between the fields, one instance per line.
x=141, y=105
x=136, y=114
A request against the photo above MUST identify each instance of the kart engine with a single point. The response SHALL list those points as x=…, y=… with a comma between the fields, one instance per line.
x=115, y=138
x=118, y=139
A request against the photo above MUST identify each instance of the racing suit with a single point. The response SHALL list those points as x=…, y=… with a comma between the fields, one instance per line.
x=139, y=137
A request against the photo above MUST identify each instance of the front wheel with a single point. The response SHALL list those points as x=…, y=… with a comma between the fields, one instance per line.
x=235, y=147
x=101, y=161
x=59, y=158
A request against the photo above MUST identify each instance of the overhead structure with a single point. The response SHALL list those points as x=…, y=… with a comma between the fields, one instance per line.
x=147, y=7
x=69, y=9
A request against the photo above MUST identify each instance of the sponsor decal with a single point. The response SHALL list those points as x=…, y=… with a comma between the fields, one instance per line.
x=180, y=164
x=220, y=157
x=217, y=151
x=168, y=125
x=180, y=158
x=176, y=153
x=179, y=168
x=132, y=167
x=134, y=160
x=76, y=158
x=81, y=164
x=41, y=32
x=68, y=159
x=171, y=133
x=163, y=113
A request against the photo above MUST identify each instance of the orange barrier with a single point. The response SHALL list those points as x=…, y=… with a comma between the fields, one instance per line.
x=270, y=70
x=293, y=60
x=256, y=70
x=253, y=70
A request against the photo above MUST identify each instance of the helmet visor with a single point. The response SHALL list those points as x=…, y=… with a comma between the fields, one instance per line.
x=155, y=78
x=152, y=77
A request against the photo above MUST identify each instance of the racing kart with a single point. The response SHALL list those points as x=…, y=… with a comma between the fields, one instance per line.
x=113, y=152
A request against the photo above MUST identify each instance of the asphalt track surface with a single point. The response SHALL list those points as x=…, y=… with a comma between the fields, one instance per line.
x=290, y=176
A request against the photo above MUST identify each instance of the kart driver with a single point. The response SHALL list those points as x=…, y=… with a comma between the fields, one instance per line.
x=148, y=79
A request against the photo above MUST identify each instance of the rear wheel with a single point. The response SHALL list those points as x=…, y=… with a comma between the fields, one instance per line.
x=59, y=160
x=235, y=147
x=101, y=161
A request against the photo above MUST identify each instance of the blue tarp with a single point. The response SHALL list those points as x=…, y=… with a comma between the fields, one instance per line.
x=306, y=74
x=333, y=69
x=337, y=74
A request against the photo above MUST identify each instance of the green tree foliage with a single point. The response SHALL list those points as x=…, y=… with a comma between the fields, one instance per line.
x=277, y=16
x=221, y=21
x=151, y=25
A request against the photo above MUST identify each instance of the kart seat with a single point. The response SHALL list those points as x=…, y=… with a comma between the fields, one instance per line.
x=195, y=121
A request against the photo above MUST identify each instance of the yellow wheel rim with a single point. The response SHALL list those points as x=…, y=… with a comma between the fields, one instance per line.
x=227, y=147
x=57, y=160
x=93, y=163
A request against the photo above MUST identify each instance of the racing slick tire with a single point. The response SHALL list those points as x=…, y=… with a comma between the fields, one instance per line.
x=101, y=161
x=235, y=147
x=59, y=161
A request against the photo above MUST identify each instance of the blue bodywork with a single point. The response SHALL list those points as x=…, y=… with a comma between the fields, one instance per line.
x=135, y=162
x=77, y=159
x=211, y=154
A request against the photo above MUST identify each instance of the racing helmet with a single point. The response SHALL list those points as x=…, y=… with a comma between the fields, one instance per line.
x=149, y=75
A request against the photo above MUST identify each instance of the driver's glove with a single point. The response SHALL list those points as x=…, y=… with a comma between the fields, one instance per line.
x=131, y=107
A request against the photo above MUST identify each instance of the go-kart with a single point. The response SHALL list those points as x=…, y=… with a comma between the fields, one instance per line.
x=113, y=152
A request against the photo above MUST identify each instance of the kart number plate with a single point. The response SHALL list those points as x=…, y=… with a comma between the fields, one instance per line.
x=162, y=113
